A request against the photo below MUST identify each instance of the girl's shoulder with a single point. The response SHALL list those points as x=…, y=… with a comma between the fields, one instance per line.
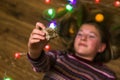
x=108, y=70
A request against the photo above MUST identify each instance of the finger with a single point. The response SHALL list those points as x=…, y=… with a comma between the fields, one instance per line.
x=36, y=36
x=32, y=41
x=40, y=26
x=38, y=32
x=35, y=39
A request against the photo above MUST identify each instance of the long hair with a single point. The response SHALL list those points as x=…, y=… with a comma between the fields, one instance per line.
x=105, y=56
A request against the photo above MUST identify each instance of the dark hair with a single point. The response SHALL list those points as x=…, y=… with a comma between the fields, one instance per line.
x=105, y=38
x=65, y=25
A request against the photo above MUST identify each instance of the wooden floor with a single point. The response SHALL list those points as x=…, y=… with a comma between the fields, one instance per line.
x=17, y=19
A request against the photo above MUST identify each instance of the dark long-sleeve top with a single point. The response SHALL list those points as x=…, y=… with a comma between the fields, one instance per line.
x=59, y=65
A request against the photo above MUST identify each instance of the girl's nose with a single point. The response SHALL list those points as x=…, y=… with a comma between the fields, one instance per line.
x=84, y=37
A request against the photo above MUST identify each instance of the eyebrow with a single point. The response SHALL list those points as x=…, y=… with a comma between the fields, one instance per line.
x=90, y=32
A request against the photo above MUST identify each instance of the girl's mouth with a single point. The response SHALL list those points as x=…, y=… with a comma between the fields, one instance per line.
x=82, y=44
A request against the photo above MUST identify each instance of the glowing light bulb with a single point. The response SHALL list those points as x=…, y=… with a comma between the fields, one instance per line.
x=17, y=55
x=53, y=25
x=49, y=14
x=47, y=47
x=7, y=78
x=69, y=7
x=47, y=1
x=73, y=2
x=97, y=1
x=50, y=11
x=99, y=17
x=117, y=3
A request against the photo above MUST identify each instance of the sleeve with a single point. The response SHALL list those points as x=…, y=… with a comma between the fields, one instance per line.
x=44, y=62
x=111, y=74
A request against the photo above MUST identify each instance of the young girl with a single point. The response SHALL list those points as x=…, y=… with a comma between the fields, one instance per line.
x=82, y=61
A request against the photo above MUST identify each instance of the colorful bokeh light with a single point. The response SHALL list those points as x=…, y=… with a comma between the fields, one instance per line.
x=97, y=1
x=117, y=3
x=73, y=2
x=7, y=78
x=47, y=47
x=69, y=7
x=47, y=1
x=17, y=55
x=53, y=25
x=99, y=17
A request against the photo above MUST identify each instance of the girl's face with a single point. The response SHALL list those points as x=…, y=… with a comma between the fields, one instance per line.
x=88, y=42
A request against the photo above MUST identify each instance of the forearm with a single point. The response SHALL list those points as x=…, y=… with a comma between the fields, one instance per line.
x=37, y=41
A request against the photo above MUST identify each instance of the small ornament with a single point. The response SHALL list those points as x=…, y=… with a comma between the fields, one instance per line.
x=50, y=33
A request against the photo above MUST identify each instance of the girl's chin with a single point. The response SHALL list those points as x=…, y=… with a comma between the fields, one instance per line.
x=80, y=52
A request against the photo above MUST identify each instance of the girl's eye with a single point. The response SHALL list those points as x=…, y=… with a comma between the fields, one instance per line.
x=79, y=34
x=91, y=36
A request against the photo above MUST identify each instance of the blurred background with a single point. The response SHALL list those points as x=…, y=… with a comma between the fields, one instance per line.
x=18, y=18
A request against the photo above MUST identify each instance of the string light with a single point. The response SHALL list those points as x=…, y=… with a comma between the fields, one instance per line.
x=47, y=47
x=97, y=1
x=73, y=2
x=49, y=14
x=99, y=17
x=19, y=54
x=69, y=7
x=7, y=78
x=47, y=1
x=50, y=11
x=117, y=3
x=53, y=25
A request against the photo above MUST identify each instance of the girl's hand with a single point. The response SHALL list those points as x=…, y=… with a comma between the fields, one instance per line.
x=37, y=40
